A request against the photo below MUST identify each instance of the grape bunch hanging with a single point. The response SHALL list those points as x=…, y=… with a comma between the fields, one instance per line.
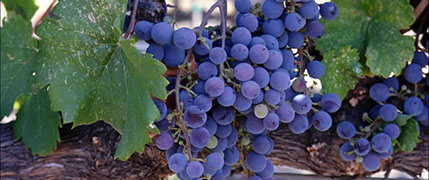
x=235, y=84
x=395, y=97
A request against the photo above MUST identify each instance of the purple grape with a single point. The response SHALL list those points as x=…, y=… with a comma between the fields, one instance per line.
x=223, y=115
x=242, y=6
x=173, y=55
x=274, y=61
x=232, y=155
x=272, y=9
x=248, y=21
x=210, y=125
x=244, y=72
x=242, y=103
x=250, y=89
x=207, y=70
x=258, y=54
x=164, y=141
x=268, y=171
x=223, y=131
x=255, y=162
x=143, y=30
x=362, y=147
x=413, y=73
x=294, y=22
x=299, y=124
x=413, y=106
x=156, y=50
x=201, y=48
x=322, y=121
x=162, y=33
x=286, y=113
x=302, y=104
x=420, y=58
x=227, y=98
x=329, y=11
x=274, y=27
x=254, y=125
x=280, y=81
x=177, y=162
x=296, y=40
x=392, y=130
x=257, y=40
x=199, y=137
x=388, y=112
x=346, y=130
x=204, y=102
x=239, y=52
x=214, y=87
x=261, y=145
x=331, y=102
x=241, y=35
x=271, y=121
x=194, y=169
x=381, y=142
x=218, y=55
x=392, y=83
x=283, y=40
x=184, y=38
x=370, y=162
x=309, y=10
x=288, y=60
x=272, y=97
x=215, y=161
x=345, y=149
x=271, y=41
x=261, y=76
x=316, y=69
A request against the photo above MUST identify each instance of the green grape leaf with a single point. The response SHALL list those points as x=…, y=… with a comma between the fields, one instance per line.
x=342, y=70
x=25, y=8
x=36, y=124
x=409, y=135
x=94, y=75
x=401, y=119
x=372, y=27
x=18, y=59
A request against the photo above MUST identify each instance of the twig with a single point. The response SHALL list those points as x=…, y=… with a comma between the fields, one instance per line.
x=207, y=15
x=301, y=61
x=376, y=124
x=133, y=20
x=174, y=13
x=420, y=8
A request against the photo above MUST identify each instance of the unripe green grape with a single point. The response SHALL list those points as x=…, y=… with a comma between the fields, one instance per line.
x=212, y=143
x=261, y=111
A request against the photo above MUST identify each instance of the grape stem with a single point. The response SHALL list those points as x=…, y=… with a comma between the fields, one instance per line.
x=133, y=20
x=376, y=124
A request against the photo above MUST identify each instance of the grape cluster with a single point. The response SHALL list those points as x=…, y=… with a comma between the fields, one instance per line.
x=241, y=89
x=389, y=97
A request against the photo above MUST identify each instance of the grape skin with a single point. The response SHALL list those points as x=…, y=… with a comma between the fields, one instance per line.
x=258, y=54
x=280, y=81
x=331, y=102
x=294, y=22
x=173, y=55
x=299, y=124
x=309, y=10
x=420, y=58
x=268, y=170
x=288, y=60
x=156, y=50
x=227, y=98
x=257, y=40
x=272, y=9
x=244, y=72
x=223, y=115
x=261, y=76
x=241, y=35
x=274, y=61
x=204, y=102
x=322, y=121
x=274, y=27
x=362, y=147
x=214, y=87
x=242, y=103
x=271, y=42
x=329, y=11
x=271, y=122
x=210, y=125
x=302, y=104
x=162, y=33
x=194, y=169
x=232, y=155
x=388, y=112
x=203, y=49
x=218, y=55
x=199, y=137
x=392, y=130
x=315, y=29
x=206, y=70
x=164, y=141
x=184, y=38
x=370, y=162
x=177, y=162
x=223, y=131
x=255, y=162
x=283, y=40
x=143, y=30
x=413, y=73
x=381, y=142
x=248, y=21
x=215, y=161
x=392, y=83
x=195, y=116
x=261, y=145
x=296, y=40
x=239, y=52
x=286, y=113
x=316, y=69
x=254, y=125
x=345, y=148
x=272, y=97
x=346, y=130
x=162, y=108
x=242, y=6
x=413, y=106
x=250, y=89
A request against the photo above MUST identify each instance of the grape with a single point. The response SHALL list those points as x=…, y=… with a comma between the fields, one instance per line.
x=420, y=58
x=388, y=112
x=172, y=83
x=255, y=162
x=413, y=106
x=386, y=154
x=238, y=18
x=210, y=125
x=195, y=116
x=286, y=113
x=162, y=108
x=258, y=99
x=143, y=30
x=254, y=125
x=309, y=10
x=362, y=147
x=194, y=169
x=261, y=145
x=299, y=85
x=199, y=137
x=204, y=102
x=422, y=117
x=257, y=40
x=288, y=60
x=239, y=52
x=370, y=162
x=227, y=98
x=271, y=122
x=215, y=161
x=280, y=81
x=274, y=61
x=221, y=145
x=346, y=130
x=413, y=73
x=331, y=102
x=316, y=69
x=322, y=121
x=208, y=171
x=261, y=77
x=162, y=33
x=345, y=149
x=274, y=27
x=164, y=141
x=392, y=130
x=329, y=11
x=232, y=155
x=156, y=50
x=171, y=151
x=226, y=170
x=316, y=98
x=283, y=40
x=248, y=21
x=206, y=70
x=241, y=35
x=270, y=41
x=258, y=54
x=272, y=9
x=242, y=6
x=272, y=97
x=244, y=72
x=392, y=83
x=315, y=30
x=242, y=103
x=199, y=87
x=250, y=89
x=299, y=124
x=184, y=38
x=375, y=111
x=212, y=143
x=302, y=104
x=223, y=131
x=218, y=55
x=214, y=87
x=218, y=176
x=201, y=48
x=177, y=162
x=173, y=55
x=255, y=178
x=381, y=142
x=232, y=138
x=296, y=40
x=223, y=115
x=163, y=125
x=294, y=22
x=183, y=175
x=294, y=72
x=268, y=171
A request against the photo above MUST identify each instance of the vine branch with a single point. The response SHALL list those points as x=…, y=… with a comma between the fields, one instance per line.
x=133, y=20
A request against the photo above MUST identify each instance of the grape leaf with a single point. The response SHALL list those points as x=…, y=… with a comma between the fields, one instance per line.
x=18, y=52
x=94, y=75
x=401, y=119
x=372, y=27
x=409, y=135
x=36, y=124
x=25, y=8
x=341, y=72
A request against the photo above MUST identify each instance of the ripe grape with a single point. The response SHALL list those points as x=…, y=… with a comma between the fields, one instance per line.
x=206, y=70
x=162, y=33
x=420, y=58
x=280, y=81
x=257, y=40
x=208, y=171
x=250, y=89
x=392, y=83
x=195, y=116
x=255, y=162
x=329, y=11
x=258, y=54
x=271, y=122
x=413, y=106
x=274, y=27
x=223, y=115
x=143, y=30
x=164, y=141
x=423, y=116
x=392, y=130
x=254, y=125
x=309, y=10
x=362, y=147
x=231, y=156
x=242, y=103
x=242, y=6
x=301, y=103
x=299, y=124
x=173, y=55
x=248, y=21
x=272, y=9
x=162, y=108
x=222, y=143
x=223, y=131
x=322, y=121
x=218, y=55
x=239, y=52
x=218, y=176
x=315, y=29
x=210, y=125
x=388, y=112
x=184, y=38
x=261, y=145
x=270, y=41
x=226, y=170
x=272, y=97
x=214, y=87
x=299, y=85
x=294, y=22
x=346, y=130
x=204, y=102
x=386, y=154
x=227, y=98
x=316, y=69
x=288, y=60
x=201, y=48
x=268, y=171
x=375, y=111
x=296, y=40
x=156, y=50
x=274, y=61
x=255, y=178
x=215, y=161
x=244, y=72
x=261, y=76
x=232, y=138
x=413, y=73
x=177, y=162
x=194, y=169
x=331, y=102
x=370, y=162
x=285, y=112
x=241, y=35
x=345, y=149
x=381, y=142
x=199, y=137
